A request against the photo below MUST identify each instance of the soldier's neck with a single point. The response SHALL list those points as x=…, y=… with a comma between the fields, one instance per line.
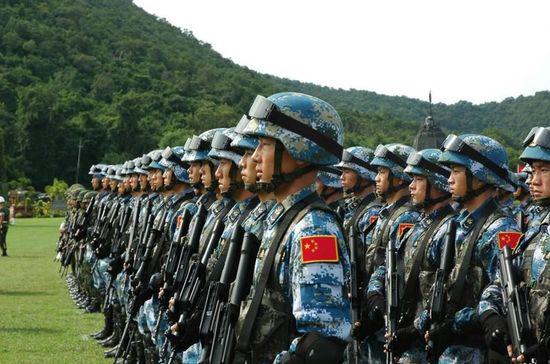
x=241, y=195
x=367, y=190
x=179, y=187
x=295, y=185
x=474, y=203
x=397, y=195
x=264, y=197
x=428, y=210
x=334, y=197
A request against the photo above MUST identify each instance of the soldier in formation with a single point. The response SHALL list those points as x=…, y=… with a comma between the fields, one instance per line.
x=268, y=242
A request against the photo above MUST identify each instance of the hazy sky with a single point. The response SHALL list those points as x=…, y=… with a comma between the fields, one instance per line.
x=462, y=50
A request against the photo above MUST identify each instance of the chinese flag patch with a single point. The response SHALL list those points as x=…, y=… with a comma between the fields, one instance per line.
x=403, y=229
x=319, y=248
x=373, y=219
x=510, y=238
x=180, y=221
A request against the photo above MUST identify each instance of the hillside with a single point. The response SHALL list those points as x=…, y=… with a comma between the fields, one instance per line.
x=125, y=82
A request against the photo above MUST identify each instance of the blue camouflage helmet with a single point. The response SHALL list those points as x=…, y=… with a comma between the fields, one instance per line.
x=171, y=158
x=394, y=157
x=112, y=172
x=104, y=169
x=199, y=146
x=537, y=145
x=221, y=146
x=522, y=179
x=130, y=167
x=425, y=163
x=330, y=176
x=137, y=167
x=484, y=157
x=96, y=170
x=309, y=128
x=358, y=159
x=153, y=161
x=241, y=140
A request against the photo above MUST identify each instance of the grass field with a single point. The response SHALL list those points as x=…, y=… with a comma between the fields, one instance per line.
x=38, y=320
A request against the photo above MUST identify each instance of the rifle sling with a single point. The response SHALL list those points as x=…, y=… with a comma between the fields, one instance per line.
x=456, y=293
x=243, y=342
x=411, y=291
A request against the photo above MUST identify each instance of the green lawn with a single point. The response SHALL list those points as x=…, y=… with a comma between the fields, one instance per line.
x=38, y=321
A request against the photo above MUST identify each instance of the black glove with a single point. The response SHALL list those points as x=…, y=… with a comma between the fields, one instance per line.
x=539, y=352
x=372, y=320
x=316, y=348
x=441, y=334
x=403, y=339
x=186, y=335
x=495, y=330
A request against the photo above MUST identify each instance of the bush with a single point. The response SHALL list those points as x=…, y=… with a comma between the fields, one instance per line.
x=41, y=209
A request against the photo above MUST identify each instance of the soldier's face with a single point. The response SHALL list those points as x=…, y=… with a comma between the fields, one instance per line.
x=194, y=172
x=382, y=180
x=157, y=181
x=223, y=174
x=264, y=156
x=349, y=178
x=168, y=177
x=457, y=181
x=105, y=183
x=206, y=174
x=121, y=187
x=418, y=188
x=248, y=168
x=113, y=184
x=143, y=181
x=95, y=183
x=540, y=180
x=134, y=182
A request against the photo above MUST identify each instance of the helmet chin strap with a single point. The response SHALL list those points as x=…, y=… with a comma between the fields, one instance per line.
x=542, y=202
x=428, y=201
x=327, y=195
x=470, y=191
x=392, y=188
x=278, y=177
x=234, y=185
x=214, y=182
x=358, y=187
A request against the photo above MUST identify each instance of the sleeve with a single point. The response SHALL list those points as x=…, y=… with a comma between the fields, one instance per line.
x=377, y=282
x=316, y=286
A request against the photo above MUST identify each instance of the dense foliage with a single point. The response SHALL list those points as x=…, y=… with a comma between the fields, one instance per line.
x=125, y=82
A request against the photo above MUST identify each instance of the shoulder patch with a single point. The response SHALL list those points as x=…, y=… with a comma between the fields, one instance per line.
x=508, y=238
x=180, y=221
x=319, y=248
x=403, y=227
x=373, y=219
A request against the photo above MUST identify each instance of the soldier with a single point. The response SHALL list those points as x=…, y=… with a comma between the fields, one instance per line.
x=329, y=187
x=4, y=224
x=417, y=255
x=357, y=178
x=394, y=218
x=523, y=211
x=298, y=309
x=535, y=247
x=478, y=168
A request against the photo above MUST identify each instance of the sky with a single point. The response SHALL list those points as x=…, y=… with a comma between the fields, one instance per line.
x=478, y=51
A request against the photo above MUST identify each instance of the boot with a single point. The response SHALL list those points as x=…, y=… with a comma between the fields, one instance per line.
x=117, y=329
x=111, y=352
x=107, y=328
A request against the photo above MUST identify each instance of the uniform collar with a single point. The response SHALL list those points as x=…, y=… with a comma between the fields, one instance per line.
x=280, y=207
x=467, y=220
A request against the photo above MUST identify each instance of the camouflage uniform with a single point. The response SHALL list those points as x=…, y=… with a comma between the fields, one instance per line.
x=475, y=302
x=302, y=295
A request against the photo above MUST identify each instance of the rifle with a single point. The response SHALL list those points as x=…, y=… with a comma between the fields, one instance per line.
x=515, y=300
x=392, y=292
x=218, y=293
x=83, y=222
x=521, y=221
x=224, y=340
x=189, y=249
x=169, y=268
x=438, y=299
x=132, y=241
x=356, y=287
x=196, y=276
x=102, y=246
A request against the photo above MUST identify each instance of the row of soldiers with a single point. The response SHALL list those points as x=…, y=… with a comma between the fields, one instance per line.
x=270, y=243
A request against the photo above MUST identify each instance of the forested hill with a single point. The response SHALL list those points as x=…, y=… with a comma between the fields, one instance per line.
x=125, y=82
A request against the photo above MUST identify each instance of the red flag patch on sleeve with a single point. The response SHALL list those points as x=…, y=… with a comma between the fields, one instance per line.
x=403, y=229
x=510, y=238
x=373, y=219
x=319, y=248
x=180, y=221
